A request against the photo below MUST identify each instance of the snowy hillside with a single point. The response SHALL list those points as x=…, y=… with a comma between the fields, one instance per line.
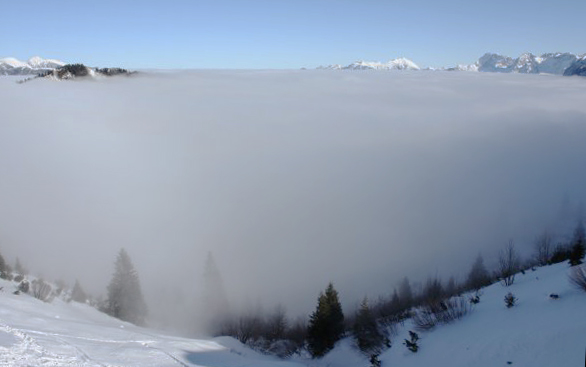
x=537, y=331
x=34, y=65
x=33, y=333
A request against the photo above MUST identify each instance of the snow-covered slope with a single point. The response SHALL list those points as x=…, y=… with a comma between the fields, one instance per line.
x=33, y=333
x=395, y=64
x=539, y=331
x=34, y=65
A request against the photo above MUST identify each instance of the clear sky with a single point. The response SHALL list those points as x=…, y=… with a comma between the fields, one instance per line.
x=285, y=33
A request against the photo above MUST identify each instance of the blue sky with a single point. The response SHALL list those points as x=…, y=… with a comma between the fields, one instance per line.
x=285, y=34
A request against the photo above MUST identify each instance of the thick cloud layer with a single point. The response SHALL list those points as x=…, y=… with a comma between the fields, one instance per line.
x=291, y=178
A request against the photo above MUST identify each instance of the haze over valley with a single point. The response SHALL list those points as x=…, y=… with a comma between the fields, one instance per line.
x=291, y=179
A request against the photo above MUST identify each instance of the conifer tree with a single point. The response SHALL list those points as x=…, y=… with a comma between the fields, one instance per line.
x=395, y=302
x=18, y=268
x=77, y=294
x=406, y=294
x=578, y=246
x=3, y=268
x=451, y=288
x=366, y=331
x=326, y=324
x=125, y=300
x=478, y=276
x=216, y=310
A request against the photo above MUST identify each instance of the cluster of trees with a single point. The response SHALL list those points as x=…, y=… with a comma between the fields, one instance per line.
x=436, y=302
x=370, y=325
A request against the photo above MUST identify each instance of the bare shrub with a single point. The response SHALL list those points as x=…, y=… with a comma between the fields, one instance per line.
x=509, y=264
x=297, y=334
x=41, y=290
x=424, y=319
x=444, y=312
x=543, y=249
x=578, y=277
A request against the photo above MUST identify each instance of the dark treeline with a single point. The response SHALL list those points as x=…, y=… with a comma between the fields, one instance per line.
x=371, y=326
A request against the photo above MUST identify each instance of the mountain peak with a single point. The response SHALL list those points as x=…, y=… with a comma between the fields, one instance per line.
x=394, y=64
x=34, y=65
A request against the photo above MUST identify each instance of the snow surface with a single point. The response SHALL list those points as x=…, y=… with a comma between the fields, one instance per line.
x=33, y=333
x=538, y=331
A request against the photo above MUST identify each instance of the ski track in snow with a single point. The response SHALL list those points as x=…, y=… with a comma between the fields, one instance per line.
x=80, y=353
x=28, y=352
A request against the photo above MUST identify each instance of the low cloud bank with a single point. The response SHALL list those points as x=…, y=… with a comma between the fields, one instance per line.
x=291, y=178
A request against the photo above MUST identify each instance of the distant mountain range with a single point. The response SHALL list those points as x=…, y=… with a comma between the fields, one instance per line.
x=396, y=64
x=34, y=65
x=37, y=67
x=549, y=63
x=527, y=63
x=577, y=68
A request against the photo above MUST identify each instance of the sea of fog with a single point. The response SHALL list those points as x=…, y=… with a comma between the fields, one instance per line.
x=291, y=179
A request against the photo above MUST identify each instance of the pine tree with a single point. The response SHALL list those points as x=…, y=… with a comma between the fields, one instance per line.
x=77, y=294
x=326, y=324
x=395, y=302
x=578, y=246
x=478, y=276
x=406, y=294
x=18, y=268
x=366, y=331
x=216, y=310
x=451, y=288
x=125, y=300
x=3, y=268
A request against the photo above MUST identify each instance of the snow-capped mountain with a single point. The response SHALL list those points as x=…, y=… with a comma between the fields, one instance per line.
x=395, y=64
x=462, y=67
x=34, y=65
x=577, y=68
x=527, y=63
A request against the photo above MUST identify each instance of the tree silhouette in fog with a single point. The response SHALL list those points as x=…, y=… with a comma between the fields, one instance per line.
x=125, y=300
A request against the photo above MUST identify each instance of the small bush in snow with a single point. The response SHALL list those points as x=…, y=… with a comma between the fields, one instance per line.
x=412, y=344
x=510, y=300
x=374, y=361
x=476, y=298
x=41, y=290
x=578, y=277
x=24, y=286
